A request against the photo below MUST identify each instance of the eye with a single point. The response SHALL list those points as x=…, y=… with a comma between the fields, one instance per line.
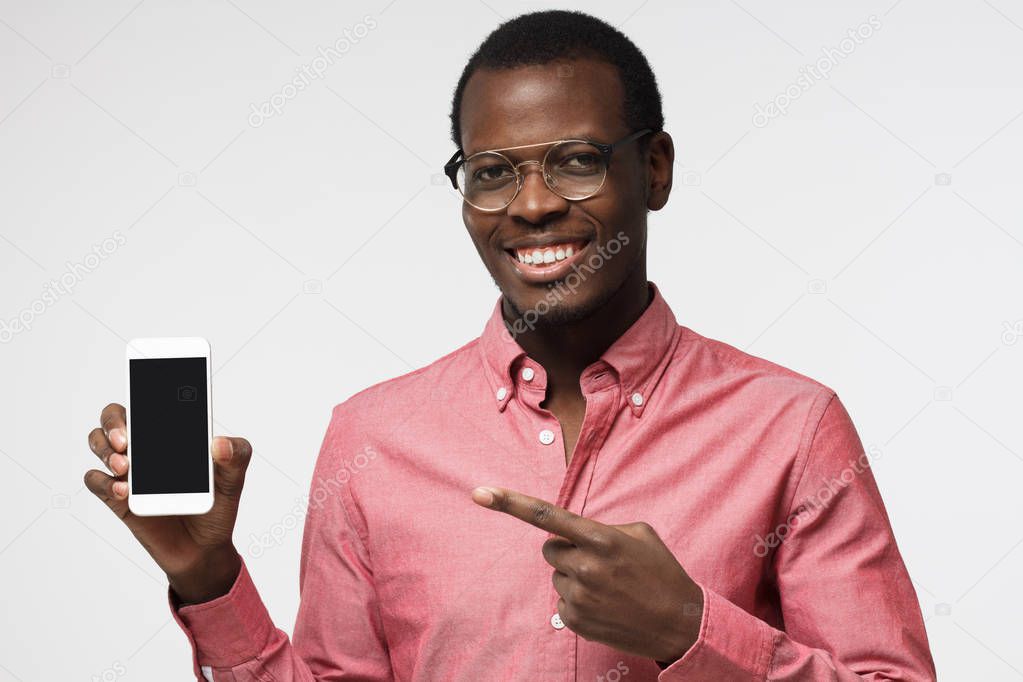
x=493, y=172
x=581, y=161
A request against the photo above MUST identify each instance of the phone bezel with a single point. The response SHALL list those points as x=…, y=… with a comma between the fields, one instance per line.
x=161, y=504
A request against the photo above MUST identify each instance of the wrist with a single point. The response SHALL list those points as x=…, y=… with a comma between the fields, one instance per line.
x=209, y=577
x=689, y=620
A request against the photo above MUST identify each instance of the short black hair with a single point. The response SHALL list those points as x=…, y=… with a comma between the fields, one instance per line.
x=551, y=35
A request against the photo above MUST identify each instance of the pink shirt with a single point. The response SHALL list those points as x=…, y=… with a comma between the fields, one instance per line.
x=753, y=475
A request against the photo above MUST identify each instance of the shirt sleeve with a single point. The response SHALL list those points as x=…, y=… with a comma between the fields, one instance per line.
x=338, y=633
x=849, y=608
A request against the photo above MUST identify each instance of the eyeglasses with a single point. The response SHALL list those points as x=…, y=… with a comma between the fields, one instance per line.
x=572, y=169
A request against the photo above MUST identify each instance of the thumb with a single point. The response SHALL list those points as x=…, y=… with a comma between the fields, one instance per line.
x=231, y=457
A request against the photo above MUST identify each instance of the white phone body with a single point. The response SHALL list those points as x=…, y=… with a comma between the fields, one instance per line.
x=169, y=426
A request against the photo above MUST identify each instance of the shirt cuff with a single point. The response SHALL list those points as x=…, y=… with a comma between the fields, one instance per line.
x=732, y=644
x=226, y=631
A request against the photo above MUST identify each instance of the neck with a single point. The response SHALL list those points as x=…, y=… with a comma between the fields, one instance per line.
x=566, y=350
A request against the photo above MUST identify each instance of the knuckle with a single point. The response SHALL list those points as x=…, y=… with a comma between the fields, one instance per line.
x=98, y=442
x=587, y=572
x=541, y=512
x=242, y=449
x=545, y=551
x=599, y=541
x=550, y=548
x=111, y=416
x=645, y=528
x=95, y=481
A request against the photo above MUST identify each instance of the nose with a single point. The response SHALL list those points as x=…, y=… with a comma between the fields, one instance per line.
x=535, y=203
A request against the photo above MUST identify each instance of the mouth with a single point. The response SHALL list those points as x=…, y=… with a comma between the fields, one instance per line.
x=542, y=263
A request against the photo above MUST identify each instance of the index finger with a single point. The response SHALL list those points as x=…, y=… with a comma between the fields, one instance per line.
x=542, y=514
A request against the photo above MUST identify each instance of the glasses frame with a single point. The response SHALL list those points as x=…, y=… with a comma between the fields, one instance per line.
x=605, y=149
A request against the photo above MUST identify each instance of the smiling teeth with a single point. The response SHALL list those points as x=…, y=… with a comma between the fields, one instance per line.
x=547, y=255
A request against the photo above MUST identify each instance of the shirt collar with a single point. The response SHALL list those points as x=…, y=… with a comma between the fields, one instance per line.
x=638, y=357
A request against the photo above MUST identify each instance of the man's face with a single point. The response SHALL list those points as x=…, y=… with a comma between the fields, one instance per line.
x=605, y=234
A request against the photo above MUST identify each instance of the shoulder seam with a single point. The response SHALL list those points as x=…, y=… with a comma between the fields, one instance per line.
x=806, y=443
x=714, y=346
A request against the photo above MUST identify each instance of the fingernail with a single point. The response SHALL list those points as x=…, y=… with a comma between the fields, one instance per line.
x=224, y=447
x=117, y=438
x=483, y=496
x=120, y=488
x=119, y=463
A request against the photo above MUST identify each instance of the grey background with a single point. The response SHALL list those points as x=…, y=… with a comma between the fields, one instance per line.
x=869, y=238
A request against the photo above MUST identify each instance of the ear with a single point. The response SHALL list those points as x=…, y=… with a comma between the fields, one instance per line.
x=660, y=168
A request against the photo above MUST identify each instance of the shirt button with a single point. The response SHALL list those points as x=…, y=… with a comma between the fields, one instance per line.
x=637, y=399
x=528, y=373
x=501, y=393
x=546, y=436
x=556, y=621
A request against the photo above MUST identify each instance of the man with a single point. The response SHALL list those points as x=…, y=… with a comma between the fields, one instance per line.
x=708, y=515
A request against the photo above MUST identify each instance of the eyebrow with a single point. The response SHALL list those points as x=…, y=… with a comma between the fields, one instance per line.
x=570, y=136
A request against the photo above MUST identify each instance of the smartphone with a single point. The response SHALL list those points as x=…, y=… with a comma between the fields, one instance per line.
x=170, y=426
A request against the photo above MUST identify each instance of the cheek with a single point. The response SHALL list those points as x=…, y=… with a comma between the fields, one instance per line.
x=480, y=231
x=620, y=213
x=622, y=219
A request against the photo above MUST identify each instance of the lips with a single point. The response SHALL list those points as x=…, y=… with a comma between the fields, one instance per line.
x=539, y=263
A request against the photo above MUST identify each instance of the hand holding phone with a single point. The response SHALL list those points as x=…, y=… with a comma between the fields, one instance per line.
x=195, y=551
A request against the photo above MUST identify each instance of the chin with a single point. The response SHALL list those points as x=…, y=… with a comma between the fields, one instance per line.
x=558, y=305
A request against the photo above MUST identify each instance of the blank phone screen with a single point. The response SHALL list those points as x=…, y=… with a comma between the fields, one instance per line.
x=169, y=446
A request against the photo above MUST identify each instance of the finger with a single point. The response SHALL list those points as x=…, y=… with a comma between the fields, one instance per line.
x=98, y=443
x=563, y=585
x=560, y=554
x=542, y=514
x=113, y=421
x=112, y=491
x=231, y=456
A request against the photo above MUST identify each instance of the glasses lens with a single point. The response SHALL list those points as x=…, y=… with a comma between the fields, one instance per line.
x=487, y=180
x=575, y=169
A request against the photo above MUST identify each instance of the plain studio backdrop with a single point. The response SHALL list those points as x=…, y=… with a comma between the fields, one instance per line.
x=847, y=204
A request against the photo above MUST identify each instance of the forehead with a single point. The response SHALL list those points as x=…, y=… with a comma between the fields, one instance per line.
x=536, y=103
